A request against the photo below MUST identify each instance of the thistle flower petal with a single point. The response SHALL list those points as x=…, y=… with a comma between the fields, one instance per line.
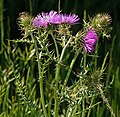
x=40, y=21
x=46, y=19
x=89, y=48
x=69, y=19
x=90, y=41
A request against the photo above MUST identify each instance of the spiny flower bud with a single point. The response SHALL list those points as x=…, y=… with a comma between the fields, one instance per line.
x=25, y=22
x=102, y=19
x=101, y=22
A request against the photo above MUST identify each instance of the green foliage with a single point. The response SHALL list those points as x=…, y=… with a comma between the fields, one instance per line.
x=88, y=91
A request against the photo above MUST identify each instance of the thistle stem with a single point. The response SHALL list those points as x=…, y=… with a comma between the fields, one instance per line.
x=57, y=72
x=40, y=77
x=83, y=108
x=56, y=78
x=76, y=107
x=88, y=115
x=56, y=46
x=105, y=100
x=56, y=89
x=63, y=51
x=70, y=69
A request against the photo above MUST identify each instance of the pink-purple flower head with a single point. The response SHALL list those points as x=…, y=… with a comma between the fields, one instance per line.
x=46, y=19
x=90, y=41
x=69, y=19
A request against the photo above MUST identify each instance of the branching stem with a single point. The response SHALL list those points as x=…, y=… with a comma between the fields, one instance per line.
x=40, y=76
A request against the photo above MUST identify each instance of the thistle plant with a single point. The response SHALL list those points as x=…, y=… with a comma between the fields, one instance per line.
x=64, y=91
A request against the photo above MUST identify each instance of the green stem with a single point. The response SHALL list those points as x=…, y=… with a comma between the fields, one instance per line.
x=58, y=6
x=85, y=56
x=1, y=28
x=74, y=111
x=88, y=115
x=63, y=51
x=83, y=108
x=56, y=78
x=105, y=100
x=58, y=71
x=70, y=69
x=56, y=46
x=76, y=107
x=40, y=77
x=1, y=22
x=30, y=6
x=56, y=90
x=96, y=54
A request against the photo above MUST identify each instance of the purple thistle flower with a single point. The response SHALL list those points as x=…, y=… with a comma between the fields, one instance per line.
x=69, y=19
x=45, y=19
x=90, y=41
x=53, y=18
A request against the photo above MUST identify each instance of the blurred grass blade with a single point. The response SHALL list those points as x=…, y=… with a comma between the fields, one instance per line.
x=1, y=25
x=104, y=61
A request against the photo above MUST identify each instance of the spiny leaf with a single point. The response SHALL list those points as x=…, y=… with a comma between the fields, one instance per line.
x=22, y=41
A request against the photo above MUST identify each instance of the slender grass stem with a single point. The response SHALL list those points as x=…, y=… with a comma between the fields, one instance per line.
x=1, y=23
x=59, y=6
x=30, y=6
x=40, y=77
x=1, y=29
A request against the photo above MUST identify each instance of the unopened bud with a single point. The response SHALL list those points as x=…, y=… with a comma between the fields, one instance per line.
x=102, y=19
x=101, y=23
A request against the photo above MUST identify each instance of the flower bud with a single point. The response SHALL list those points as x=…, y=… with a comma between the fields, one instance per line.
x=101, y=22
x=25, y=23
